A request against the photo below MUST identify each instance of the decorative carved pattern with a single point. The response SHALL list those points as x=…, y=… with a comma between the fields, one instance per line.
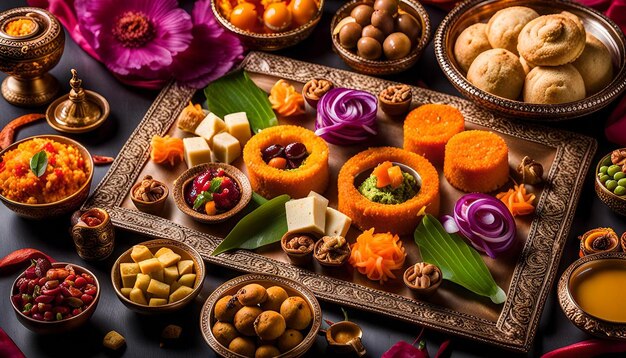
x=532, y=277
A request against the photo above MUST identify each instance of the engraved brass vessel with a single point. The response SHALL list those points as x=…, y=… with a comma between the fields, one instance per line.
x=27, y=58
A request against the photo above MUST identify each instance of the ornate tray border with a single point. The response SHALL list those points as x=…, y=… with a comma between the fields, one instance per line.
x=535, y=270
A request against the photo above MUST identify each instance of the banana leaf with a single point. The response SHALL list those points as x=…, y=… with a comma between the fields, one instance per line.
x=265, y=225
x=459, y=262
x=235, y=92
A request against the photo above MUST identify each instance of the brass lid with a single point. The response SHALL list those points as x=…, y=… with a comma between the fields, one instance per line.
x=79, y=111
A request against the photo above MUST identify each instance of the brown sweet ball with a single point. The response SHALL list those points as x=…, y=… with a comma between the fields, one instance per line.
x=266, y=351
x=226, y=307
x=499, y=72
x=349, y=34
x=296, y=312
x=269, y=325
x=471, y=42
x=276, y=295
x=383, y=21
x=289, y=340
x=224, y=333
x=251, y=294
x=242, y=345
x=362, y=14
x=407, y=24
x=244, y=319
x=396, y=45
x=390, y=6
x=369, y=48
x=595, y=65
x=373, y=32
x=554, y=85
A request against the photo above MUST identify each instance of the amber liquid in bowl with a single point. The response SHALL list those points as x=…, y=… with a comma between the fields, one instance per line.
x=599, y=289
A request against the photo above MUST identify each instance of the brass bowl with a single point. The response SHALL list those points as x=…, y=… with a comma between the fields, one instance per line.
x=150, y=207
x=268, y=41
x=614, y=202
x=581, y=319
x=383, y=67
x=57, y=208
x=473, y=11
x=27, y=59
x=189, y=175
x=293, y=288
x=185, y=251
x=65, y=325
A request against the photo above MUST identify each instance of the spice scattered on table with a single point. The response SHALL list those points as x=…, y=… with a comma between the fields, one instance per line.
x=169, y=334
x=530, y=170
x=102, y=160
x=8, y=132
x=113, y=340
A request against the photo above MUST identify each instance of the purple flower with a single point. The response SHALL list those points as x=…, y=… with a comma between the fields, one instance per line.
x=212, y=52
x=135, y=38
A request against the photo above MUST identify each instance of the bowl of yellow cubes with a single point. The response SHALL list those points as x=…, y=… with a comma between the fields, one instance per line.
x=158, y=276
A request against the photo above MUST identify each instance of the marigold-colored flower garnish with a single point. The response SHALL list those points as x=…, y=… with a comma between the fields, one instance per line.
x=285, y=100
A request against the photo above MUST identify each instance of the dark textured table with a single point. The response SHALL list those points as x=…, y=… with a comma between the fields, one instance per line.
x=128, y=105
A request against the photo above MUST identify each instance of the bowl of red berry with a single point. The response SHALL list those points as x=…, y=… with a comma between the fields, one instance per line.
x=54, y=297
x=212, y=192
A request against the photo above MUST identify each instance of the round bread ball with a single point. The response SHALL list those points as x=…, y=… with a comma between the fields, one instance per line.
x=289, y=340
x=498, y=72
x=369, y=48
x=244, y=319
x=554, y=85
x=505, y=25
x=276, y=295
x=594, y=65
x=527, y=66
x=296, y=312
x=251, y=294
x=226, y=307
x=362, y=14
x=396, y=46
x=224, y=332
x=243, y=345
x=349, y=34
x=266, y=351
x=471, y=43
x=269, y=325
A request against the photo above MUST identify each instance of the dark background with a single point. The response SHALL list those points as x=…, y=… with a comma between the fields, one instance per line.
x=128, y=106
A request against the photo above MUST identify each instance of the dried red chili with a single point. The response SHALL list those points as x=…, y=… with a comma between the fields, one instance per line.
x=20, y=256
x=101, y=159
x=8, y=132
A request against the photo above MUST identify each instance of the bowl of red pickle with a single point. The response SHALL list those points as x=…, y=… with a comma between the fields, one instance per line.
x=54, y=297
x=212, y=192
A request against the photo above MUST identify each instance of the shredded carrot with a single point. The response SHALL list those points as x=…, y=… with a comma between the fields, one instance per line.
x=517, y=200
x=285, y=100
x=376, y=255
x=166, y=149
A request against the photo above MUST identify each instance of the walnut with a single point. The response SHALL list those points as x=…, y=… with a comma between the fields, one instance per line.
x=332, y=250
x=618, y=157
x=316, y=88
x=396, y=94
x=301, y=243
x=150, y=190
x=423, y=275
x=530, y=170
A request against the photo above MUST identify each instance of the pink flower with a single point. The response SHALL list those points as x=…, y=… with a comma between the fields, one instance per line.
x=136, y=38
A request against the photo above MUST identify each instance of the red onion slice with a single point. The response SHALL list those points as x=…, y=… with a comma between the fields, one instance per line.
x=346, y=116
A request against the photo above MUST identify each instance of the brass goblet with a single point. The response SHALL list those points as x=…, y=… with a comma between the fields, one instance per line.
x=31, y=43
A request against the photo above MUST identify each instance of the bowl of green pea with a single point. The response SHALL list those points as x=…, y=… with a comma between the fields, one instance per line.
x=610, y=180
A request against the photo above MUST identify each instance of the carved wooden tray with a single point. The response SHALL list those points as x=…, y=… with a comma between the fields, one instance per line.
x=526, y=273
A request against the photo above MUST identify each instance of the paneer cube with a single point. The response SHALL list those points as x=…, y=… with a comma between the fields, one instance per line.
x=137, y=296
x=150, y=265
x=226, y=148
x=187, y=279
x=180, y=293
x=306, y=215
x=142, y=282
x=126, y=291
x=158, y=289
x=157, y=302
x=185, y=266
x=337, y=223
x=170, y=274
x=162, y=251
x=129, y=272
x=169, y=259
x=158, y=275
x=196, y=151
x=209, y=127
x=140, y=253
x=238, y=126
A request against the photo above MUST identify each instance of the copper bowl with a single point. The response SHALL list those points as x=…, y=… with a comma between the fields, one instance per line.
x=64, y=325
x=383, y=67
x=580, y=318
x=57, y=208
x=472, y=11
x=293, y=288
x=188, y=176
x=185, y=251
x=617, y=203
x=268, y=41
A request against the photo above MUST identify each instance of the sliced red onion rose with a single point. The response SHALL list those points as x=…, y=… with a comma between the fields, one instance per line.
x=346, y=116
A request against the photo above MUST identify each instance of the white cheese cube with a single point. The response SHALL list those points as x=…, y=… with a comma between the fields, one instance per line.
x=337, y=223
x=197, y=151
x=209, y=127
x=319, y=196
x=306, y=215
x=226, y=148
x=238, y=126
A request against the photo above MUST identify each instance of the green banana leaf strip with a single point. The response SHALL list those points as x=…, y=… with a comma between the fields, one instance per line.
x=458, y=262
x=235, y=92
x=265, y=225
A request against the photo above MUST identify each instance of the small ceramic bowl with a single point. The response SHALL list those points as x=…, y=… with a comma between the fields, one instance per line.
x=190, y=174
x=420, y=291
x=318, y=246
x=65, y=325
x=395, y=109
x=572, y=302
x=307, y=96
x=185, y=251
x=57, y=208
x=617, y=203
x=268, y=41
x=293, y=288
x=383, y=67
x=298, y=258
x=150, y=207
